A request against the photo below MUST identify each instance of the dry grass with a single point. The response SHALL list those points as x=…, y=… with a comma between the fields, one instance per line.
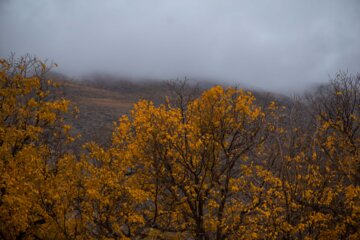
x=103, y=103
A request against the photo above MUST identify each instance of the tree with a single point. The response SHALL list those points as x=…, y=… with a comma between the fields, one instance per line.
x=193, y=161
x=317, y=161
x=34, y=167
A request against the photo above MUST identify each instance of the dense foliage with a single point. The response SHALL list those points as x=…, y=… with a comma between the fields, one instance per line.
x=219, y=166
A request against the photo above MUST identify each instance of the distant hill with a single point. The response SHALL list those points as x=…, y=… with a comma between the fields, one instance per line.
x=102, y=100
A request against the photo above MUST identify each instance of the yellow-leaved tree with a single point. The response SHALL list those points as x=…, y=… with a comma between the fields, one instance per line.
x=36, y=197
x=192, y=169
x=314, y=147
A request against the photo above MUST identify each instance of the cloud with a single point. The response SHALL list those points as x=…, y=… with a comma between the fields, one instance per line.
x=276, y=45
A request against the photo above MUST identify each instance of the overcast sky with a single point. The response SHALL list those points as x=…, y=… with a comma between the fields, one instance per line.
x=275, y=45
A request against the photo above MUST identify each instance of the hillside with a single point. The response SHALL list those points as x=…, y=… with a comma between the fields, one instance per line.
x=101, y=104
x=103, y=99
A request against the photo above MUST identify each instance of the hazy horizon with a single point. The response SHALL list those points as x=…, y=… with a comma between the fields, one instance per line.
x=281, y=46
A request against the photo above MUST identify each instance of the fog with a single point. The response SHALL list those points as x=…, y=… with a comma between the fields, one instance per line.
x=273, y=45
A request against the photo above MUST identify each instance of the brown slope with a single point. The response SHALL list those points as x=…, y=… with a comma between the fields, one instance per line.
x=101, y=105
x=102, y=101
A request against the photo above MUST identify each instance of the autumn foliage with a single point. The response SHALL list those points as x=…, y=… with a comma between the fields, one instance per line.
x=219, y=166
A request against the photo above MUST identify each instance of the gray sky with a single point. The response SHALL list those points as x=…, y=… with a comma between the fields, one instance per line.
x=272, y=44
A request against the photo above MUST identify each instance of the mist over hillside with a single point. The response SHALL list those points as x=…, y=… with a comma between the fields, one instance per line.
x=267, y=44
